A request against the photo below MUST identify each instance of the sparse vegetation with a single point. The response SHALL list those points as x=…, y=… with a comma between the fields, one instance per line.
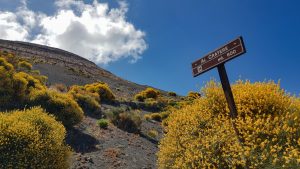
x=32, y=139
x=156, y=116
x=103, y=123
x=127, y=120
x=152, y=133
x=200, y=135
x=147, y=117
x=139, y=97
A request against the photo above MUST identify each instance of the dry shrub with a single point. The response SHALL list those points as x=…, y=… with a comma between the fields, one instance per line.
x=129, y=121
x=201, y=136
x=156, y=116
x=32, y=139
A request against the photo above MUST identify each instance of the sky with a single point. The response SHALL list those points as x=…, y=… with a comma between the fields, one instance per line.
x=154, y=42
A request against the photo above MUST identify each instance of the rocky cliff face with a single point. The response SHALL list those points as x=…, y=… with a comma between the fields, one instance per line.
x=65, y=67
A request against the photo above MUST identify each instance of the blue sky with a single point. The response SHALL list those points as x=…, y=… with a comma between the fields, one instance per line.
x=179, y=32
x=174, y=33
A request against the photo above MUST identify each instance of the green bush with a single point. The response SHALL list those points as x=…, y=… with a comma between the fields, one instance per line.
x=103, y=123
x=152, y=133
x=32, y=139
x=102, y=89
x=62, y=106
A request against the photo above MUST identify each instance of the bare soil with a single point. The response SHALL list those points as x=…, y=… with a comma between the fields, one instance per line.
x=112, y=148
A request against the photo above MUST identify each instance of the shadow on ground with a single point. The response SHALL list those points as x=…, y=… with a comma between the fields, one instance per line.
x=81, y=142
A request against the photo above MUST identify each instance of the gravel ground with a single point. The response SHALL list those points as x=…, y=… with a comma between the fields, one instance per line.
x=112, y=148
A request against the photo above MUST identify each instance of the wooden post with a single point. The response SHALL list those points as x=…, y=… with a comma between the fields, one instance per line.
x=231, y=104
x=227, y=90
x=229, y=97
x=218, y=58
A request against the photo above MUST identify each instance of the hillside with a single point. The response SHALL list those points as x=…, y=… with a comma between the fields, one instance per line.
x=64, y=67
x=76, y=121
x=95, y=147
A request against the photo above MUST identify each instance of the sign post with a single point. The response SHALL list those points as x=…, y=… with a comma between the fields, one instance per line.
x=217, y=59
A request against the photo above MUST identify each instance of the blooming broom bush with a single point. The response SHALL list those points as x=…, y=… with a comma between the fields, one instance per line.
x=102, y=89
x=21, y=89
x=201, y=135
x=148, y=93
x=15, y=86
x=61, y=105
x=32, y=139
x=88, y=101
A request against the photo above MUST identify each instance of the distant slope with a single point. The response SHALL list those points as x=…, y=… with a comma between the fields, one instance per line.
x=65, y=67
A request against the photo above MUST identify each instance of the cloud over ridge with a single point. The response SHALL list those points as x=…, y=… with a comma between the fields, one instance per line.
x=94, y=31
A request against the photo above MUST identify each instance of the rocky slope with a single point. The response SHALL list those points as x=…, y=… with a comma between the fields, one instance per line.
x=94, y=147
x=64, y=67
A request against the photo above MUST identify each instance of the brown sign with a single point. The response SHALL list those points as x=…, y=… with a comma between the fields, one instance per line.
x=227, y=52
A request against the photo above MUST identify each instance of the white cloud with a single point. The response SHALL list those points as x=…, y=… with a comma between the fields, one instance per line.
x=93, y=31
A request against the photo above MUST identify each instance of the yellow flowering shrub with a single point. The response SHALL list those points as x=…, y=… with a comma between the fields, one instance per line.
x=148, y=93
x=10, y=57
x=32, y=139
x=19, y=89
x=61, y=105
x=102, y=89
x=200, y=135
x=6, y=73
x=15, y=86
x=24, y=65
x=193, y=95
x=88, y=101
